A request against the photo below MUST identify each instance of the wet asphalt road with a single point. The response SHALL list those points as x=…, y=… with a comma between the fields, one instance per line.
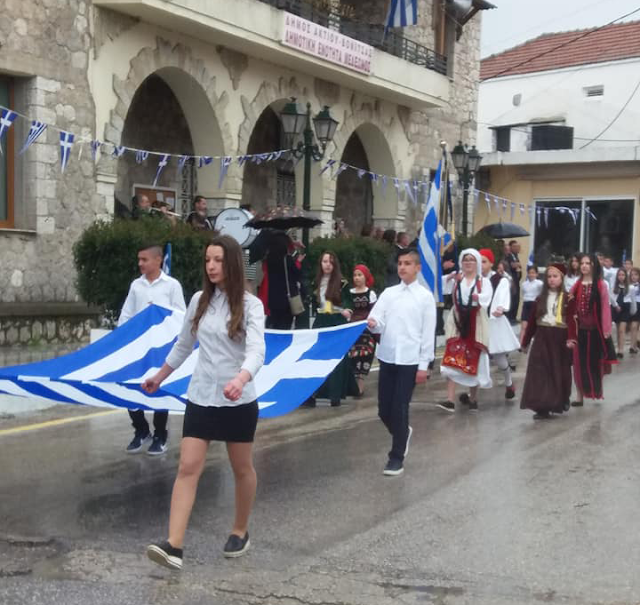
x=493, y=508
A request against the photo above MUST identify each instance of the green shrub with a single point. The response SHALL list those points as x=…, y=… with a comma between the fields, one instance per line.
x=106, y=262
x=350, y=252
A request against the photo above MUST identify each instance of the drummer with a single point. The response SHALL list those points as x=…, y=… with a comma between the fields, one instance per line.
x=198, y=218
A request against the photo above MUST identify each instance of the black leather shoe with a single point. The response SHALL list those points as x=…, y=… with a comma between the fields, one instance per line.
x=236, y=546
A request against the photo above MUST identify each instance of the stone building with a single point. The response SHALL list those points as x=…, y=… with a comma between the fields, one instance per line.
x=210, y=78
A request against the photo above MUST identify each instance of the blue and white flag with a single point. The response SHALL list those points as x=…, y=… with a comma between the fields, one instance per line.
x=429, y=240
x=166, y=259
x=225, y=162
x=118, y=151
x=37, y=128
x=204, y=160
x=66, y=143
x=109, y=372
x=95, y=145
x=141, y=156
x=402, y=13
x=7, y=117
x=161, y=165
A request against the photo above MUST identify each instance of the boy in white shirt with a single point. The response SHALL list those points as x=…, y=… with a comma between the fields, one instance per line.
x=157, y=288
x=405, y=318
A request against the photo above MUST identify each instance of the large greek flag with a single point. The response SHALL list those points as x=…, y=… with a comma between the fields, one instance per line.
x=402, y=13
x=429, y=240
x=109, y=372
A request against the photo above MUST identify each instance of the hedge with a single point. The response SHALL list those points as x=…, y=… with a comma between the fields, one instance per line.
x=106, y=258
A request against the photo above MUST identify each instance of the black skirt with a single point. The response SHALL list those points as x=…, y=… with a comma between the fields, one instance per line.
x=622, y=316
x=526, y=310
x=235, y=424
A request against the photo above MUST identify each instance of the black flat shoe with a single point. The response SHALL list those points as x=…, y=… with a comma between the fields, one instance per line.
x=620, y=355
x=542, y=416
x=577, y=404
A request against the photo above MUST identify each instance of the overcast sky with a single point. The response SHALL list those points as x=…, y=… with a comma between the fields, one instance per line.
x=516, y=21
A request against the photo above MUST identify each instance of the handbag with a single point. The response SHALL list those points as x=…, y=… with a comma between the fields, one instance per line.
x=295, y=302
x=461, y=355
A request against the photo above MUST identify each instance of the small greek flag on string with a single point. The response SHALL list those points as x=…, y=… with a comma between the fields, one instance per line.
x=161, y=164
x=402, y=13
x=166, y=261
x=141, y=156
x=66, y=143
x=7, y=117
x=118, y=150
x=37, y=128
x=95, y=145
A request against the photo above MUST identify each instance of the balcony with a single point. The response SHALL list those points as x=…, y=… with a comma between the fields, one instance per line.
x=400, y=70
x=371, y=34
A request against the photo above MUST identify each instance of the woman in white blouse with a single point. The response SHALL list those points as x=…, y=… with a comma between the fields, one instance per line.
x=228, y=324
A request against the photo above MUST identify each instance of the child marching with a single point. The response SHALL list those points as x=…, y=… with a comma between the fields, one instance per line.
x=547, y=385
x=466, y=357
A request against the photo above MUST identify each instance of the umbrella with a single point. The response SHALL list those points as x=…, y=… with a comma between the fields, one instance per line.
x=284, y=217
x=264, y=240
x=502, y=230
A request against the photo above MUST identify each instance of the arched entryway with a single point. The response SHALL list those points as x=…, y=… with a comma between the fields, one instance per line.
x=354, y=191
x=170, y=113
x=267, y=184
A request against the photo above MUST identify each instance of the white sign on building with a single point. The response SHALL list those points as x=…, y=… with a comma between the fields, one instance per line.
x=325, y=43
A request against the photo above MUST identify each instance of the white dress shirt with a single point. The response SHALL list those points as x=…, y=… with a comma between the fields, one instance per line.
x=219, y=358
x=531, y=289
x=164, y=291
x=406, y=320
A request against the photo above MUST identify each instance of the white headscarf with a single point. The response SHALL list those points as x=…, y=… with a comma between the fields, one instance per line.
x=473, y=252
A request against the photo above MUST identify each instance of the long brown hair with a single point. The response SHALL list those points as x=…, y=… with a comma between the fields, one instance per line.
x=334, y=287
x=541, y=304
x=233, y=270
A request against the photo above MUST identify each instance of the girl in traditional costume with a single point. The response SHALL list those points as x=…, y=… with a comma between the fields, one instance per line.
x=363, y=298
x=334, y=308
x=502, y=340
x=589, y=326
x=466, y=357
x=547, y=385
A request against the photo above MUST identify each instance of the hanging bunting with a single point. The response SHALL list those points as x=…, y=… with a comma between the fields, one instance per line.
x=409, y=190
x=416, y=190
x=374, y=177
x=340, y=170
x=7, y=117
x=383, y=185
x=513, y=211
x=118, y=151
x=396, y=184
x=327, y=166
x=181, y=162
x=95, y=145
x=487, y=199
x=204, y=160
x=504, y=206
x=361, y=172
x=277, y=155
x=66, y=143
x=37, y=128
x=141, y=156
x=242, y=159
x=546, y=217
x=161, y=164
x=522, y=209
x=476, y=198
x=225, y=162
x=496, y=201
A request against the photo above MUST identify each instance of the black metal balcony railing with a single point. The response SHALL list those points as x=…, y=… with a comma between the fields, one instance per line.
x=371, y=34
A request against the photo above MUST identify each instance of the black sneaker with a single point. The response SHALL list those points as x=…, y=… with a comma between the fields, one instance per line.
x=542, y=416
x=464, y=399
x=138, y=441
x=473, y=406
x=447, y=406
x=510, y=392
x=577, y=404
x=166, y=555
x=236, y=546
x=393, y=468
x=158, y=445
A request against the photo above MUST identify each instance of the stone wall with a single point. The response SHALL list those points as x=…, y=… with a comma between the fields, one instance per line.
x=48, y=43
x=46, y=324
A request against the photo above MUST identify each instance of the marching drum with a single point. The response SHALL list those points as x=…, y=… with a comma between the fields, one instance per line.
x=231, y=221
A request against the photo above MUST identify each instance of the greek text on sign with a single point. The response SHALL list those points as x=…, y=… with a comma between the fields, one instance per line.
x=325, y=43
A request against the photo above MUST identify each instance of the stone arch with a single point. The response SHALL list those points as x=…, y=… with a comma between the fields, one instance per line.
x=195, y=88
x=375, y=131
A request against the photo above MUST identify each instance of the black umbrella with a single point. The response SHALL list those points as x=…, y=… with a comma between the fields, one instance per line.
x=284, y=217
x=503, y=230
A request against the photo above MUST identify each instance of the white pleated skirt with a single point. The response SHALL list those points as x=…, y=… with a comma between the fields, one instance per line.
x=482, y=379
x=501, y=336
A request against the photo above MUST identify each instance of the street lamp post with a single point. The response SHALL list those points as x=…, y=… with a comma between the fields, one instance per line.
x=467, y=162
x=294, y=123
